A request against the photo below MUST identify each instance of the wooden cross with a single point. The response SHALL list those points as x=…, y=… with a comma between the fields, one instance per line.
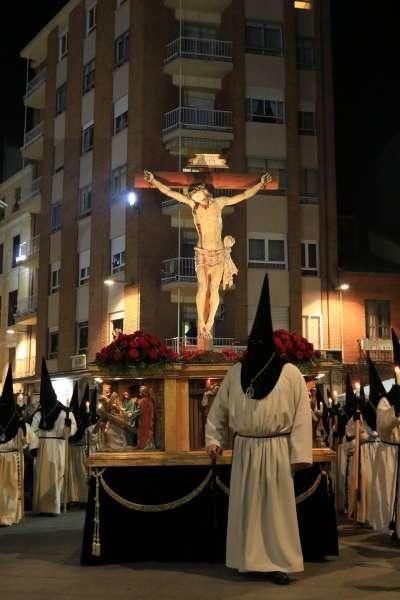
x=225, y=180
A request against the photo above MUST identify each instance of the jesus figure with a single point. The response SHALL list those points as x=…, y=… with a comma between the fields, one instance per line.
x=213, y=262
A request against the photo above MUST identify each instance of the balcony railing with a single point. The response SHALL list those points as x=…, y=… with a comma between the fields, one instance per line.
x=28, y=250
x=25, y=367
x=188, y=343
x=189, y=47
x=35, y=83
x=380, y=350
x=198, y=118
x=178, y=269
x=26, y=306
x=33, y=134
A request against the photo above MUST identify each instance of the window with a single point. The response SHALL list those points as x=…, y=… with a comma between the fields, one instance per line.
x=85, y=201
x=309, y=258
x=61, y=98
x=52, y=343
x=58, y=156
x=88, y=78
x=305, y=53
x=121, y=49
x=267, y=249
x=188, y=243
x=309, y=183
x=87, y=137
x=277, y=168
x=82, y=337
x=377, y=319
x=62, y=43
x=198, y=31
x=264, y=38
x=55, y=217
x=312, y=329
x=118, y=254
x=84, y=267
x=116, y=324
x=55, y=277
x=307, y=123
x=12, y=307
x=121, y=114
x=118, y=183
x=265, y=111
x=1, y=257
x=302, y=5
x=91, y=18
x=17, y=199
x=15, y=250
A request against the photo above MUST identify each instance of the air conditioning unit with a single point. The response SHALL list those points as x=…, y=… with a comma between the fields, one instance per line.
x=78, y=362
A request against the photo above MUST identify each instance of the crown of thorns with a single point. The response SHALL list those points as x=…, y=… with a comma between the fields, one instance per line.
x=196, y=188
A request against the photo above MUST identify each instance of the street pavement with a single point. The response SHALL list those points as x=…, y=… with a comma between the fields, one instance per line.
x=39, y=560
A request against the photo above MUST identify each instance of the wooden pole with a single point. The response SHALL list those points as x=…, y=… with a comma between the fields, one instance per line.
x=21, y=475
x=356, y=465
x=67, y=431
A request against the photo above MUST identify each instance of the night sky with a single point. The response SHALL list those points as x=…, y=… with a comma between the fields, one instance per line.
x=366, y=46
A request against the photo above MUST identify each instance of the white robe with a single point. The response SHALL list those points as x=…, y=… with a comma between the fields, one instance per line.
x=49, y=468
x=384, y=471
x=11, y=476
x=78, y=474
x=263, y=532
x=368, y=448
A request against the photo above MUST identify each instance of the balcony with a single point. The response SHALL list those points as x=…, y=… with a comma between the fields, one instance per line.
x=185, y=343
x=198, y=62
x=25, y=367
x=33, y=143
x=26, y=313
x=188, y=130
x=379, y=350
x=32, y=199
x=35, y=96
x=178, y=273
x=27, y=251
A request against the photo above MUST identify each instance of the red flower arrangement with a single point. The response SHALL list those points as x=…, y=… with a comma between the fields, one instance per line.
x=137, y=349
x=203, y=356
x=295, y=348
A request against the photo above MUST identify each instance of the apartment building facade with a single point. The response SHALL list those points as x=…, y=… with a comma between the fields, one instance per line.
x=118, y=86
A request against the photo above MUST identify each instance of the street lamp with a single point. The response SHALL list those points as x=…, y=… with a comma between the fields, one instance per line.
x=343, y=287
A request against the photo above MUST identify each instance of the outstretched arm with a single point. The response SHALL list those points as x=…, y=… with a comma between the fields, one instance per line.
x=149, y=177
x=249, y=193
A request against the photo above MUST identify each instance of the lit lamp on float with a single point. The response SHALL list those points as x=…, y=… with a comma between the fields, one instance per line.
x=357, y=388
x=397, y=374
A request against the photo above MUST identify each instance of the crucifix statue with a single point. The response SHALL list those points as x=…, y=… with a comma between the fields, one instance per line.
x=213, y=262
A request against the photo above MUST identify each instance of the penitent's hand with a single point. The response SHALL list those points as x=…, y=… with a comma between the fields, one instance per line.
x=214, y=451
x=148, y=176
x=266, y=177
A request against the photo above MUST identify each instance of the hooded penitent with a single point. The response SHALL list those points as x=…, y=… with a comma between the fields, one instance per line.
x=376, y=387
x=319, y=389
x=368, y=410
x=351, y=401
x=261, y=367
x=82, y=416
x=50, y=408
x=9, y=420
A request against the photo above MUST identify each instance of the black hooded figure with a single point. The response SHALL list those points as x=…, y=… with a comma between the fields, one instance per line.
x=261, y=366
x=393, y=395
x=9, y=419
x=81, y=412
x=376, y=387
x=50, y=407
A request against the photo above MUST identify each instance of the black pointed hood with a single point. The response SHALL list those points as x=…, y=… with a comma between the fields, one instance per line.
x=9, y=420
x=74, y=404
x=260, y=350
x=368, y=410
x=50, y=408
x=376, y=387
x=351, y=401
x=321, y=401
x=396, y=348
x=82, y=418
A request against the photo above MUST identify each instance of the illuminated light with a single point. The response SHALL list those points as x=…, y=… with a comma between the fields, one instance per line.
x=397, y=374
x=88, y=407
x=302, y=5
x=20, y=258
x=10, y=331
x=344, y=286
x=109, y=282
x=98, y=380
x=335, y=393
x=132, y=199
x=357, y=387
x=320, y=376
x=99, y=406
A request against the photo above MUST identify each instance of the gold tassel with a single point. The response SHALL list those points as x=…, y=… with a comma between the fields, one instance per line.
x=96, y=546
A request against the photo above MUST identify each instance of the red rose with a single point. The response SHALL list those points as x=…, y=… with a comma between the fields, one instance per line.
x=117, y=356
x=133, y=354
x=299, y=355
x=317, y=354
x=152, y=354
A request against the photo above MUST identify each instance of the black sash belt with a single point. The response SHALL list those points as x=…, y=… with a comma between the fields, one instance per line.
x=264, y=437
